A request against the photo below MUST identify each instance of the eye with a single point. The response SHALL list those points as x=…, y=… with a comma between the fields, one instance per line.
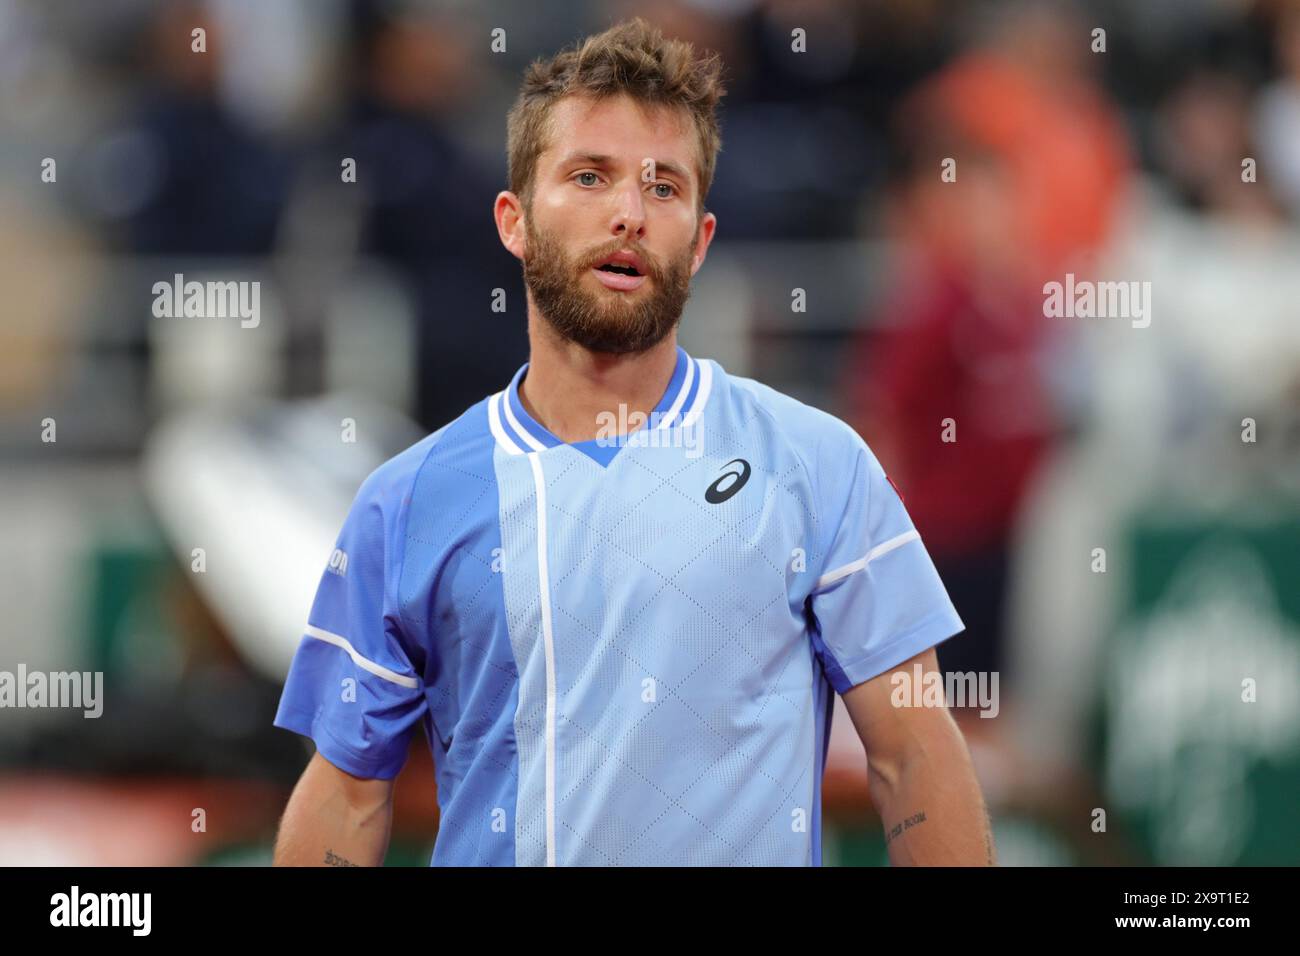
x=668, y=186
x=587, y=173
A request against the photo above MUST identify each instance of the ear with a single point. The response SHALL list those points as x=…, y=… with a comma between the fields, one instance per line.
x=708, y=225
x=508, y=212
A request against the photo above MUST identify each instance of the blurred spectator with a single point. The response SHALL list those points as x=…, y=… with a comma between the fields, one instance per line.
x=1039, y=160
x=427, y=206
x=186, y=176
x=1203, y=136
x=1277, y=115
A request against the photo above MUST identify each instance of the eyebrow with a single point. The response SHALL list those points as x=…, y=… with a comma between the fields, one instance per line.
x=600, y=159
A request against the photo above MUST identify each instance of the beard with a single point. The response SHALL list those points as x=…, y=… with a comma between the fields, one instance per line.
x=606, y=320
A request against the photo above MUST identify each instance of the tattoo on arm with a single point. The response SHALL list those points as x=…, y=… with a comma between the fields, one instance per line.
x=915, y=819
x=988, y=837
x=333, y=859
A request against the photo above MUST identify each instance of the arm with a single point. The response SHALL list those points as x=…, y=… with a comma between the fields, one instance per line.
x=335, y=819
x=920, y=775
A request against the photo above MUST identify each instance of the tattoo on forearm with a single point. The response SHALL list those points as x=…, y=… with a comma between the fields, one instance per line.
x=988, y=837
x=333, y=859
x=914, y=820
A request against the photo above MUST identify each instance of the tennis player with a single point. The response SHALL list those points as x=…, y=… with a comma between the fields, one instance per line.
x=620, y=594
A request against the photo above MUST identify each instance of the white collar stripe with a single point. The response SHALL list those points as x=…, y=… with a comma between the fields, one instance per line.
x=682, y=392
x=516, y=439
x=498, y=430
x=702, y=396
x=518, y=428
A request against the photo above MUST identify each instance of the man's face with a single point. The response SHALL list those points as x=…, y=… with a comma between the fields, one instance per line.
x=614, y=179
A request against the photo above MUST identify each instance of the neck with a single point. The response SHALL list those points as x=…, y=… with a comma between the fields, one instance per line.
x=567, y=387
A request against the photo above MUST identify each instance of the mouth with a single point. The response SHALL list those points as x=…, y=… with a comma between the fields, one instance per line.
x=621, y=272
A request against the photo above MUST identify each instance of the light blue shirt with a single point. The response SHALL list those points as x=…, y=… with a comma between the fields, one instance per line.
x=622, y=652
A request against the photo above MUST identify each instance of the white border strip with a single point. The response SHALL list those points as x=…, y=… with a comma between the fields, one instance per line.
x=855, y=566
x=702, y=396
x=548, y=640
x=377, y=669
x=494, y=422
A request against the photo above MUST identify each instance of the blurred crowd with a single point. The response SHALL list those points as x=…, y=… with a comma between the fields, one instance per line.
x=949, y=158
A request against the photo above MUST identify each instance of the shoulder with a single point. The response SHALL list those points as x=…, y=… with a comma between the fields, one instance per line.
x=823, y=440
x=390, y=484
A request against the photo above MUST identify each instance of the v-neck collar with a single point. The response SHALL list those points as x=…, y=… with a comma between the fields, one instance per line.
x=517, y=432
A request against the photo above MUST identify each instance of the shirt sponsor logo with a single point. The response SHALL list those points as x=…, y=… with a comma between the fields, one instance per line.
x=716, y=494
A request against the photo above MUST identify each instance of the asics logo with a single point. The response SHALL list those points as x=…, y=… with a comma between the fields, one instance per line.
x=734, y=480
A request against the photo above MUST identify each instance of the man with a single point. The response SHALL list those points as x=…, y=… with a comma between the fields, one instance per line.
x=619, y=593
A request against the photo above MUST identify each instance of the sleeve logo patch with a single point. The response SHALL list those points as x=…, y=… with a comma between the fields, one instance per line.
x=339, y=563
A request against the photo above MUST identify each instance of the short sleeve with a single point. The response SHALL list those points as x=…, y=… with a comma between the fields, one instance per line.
x=878, y=599
x=355, y=685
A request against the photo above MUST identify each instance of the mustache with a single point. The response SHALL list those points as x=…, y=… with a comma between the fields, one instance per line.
x=649, y=264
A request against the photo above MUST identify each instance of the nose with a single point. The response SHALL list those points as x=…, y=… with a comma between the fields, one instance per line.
x=629, y=215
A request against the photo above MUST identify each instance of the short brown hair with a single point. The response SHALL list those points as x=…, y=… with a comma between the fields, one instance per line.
x=632, y=58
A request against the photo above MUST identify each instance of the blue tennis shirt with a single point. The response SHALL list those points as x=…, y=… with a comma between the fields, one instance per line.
x=622, y=651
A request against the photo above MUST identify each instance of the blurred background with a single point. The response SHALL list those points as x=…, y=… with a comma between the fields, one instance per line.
x=1118, y=520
